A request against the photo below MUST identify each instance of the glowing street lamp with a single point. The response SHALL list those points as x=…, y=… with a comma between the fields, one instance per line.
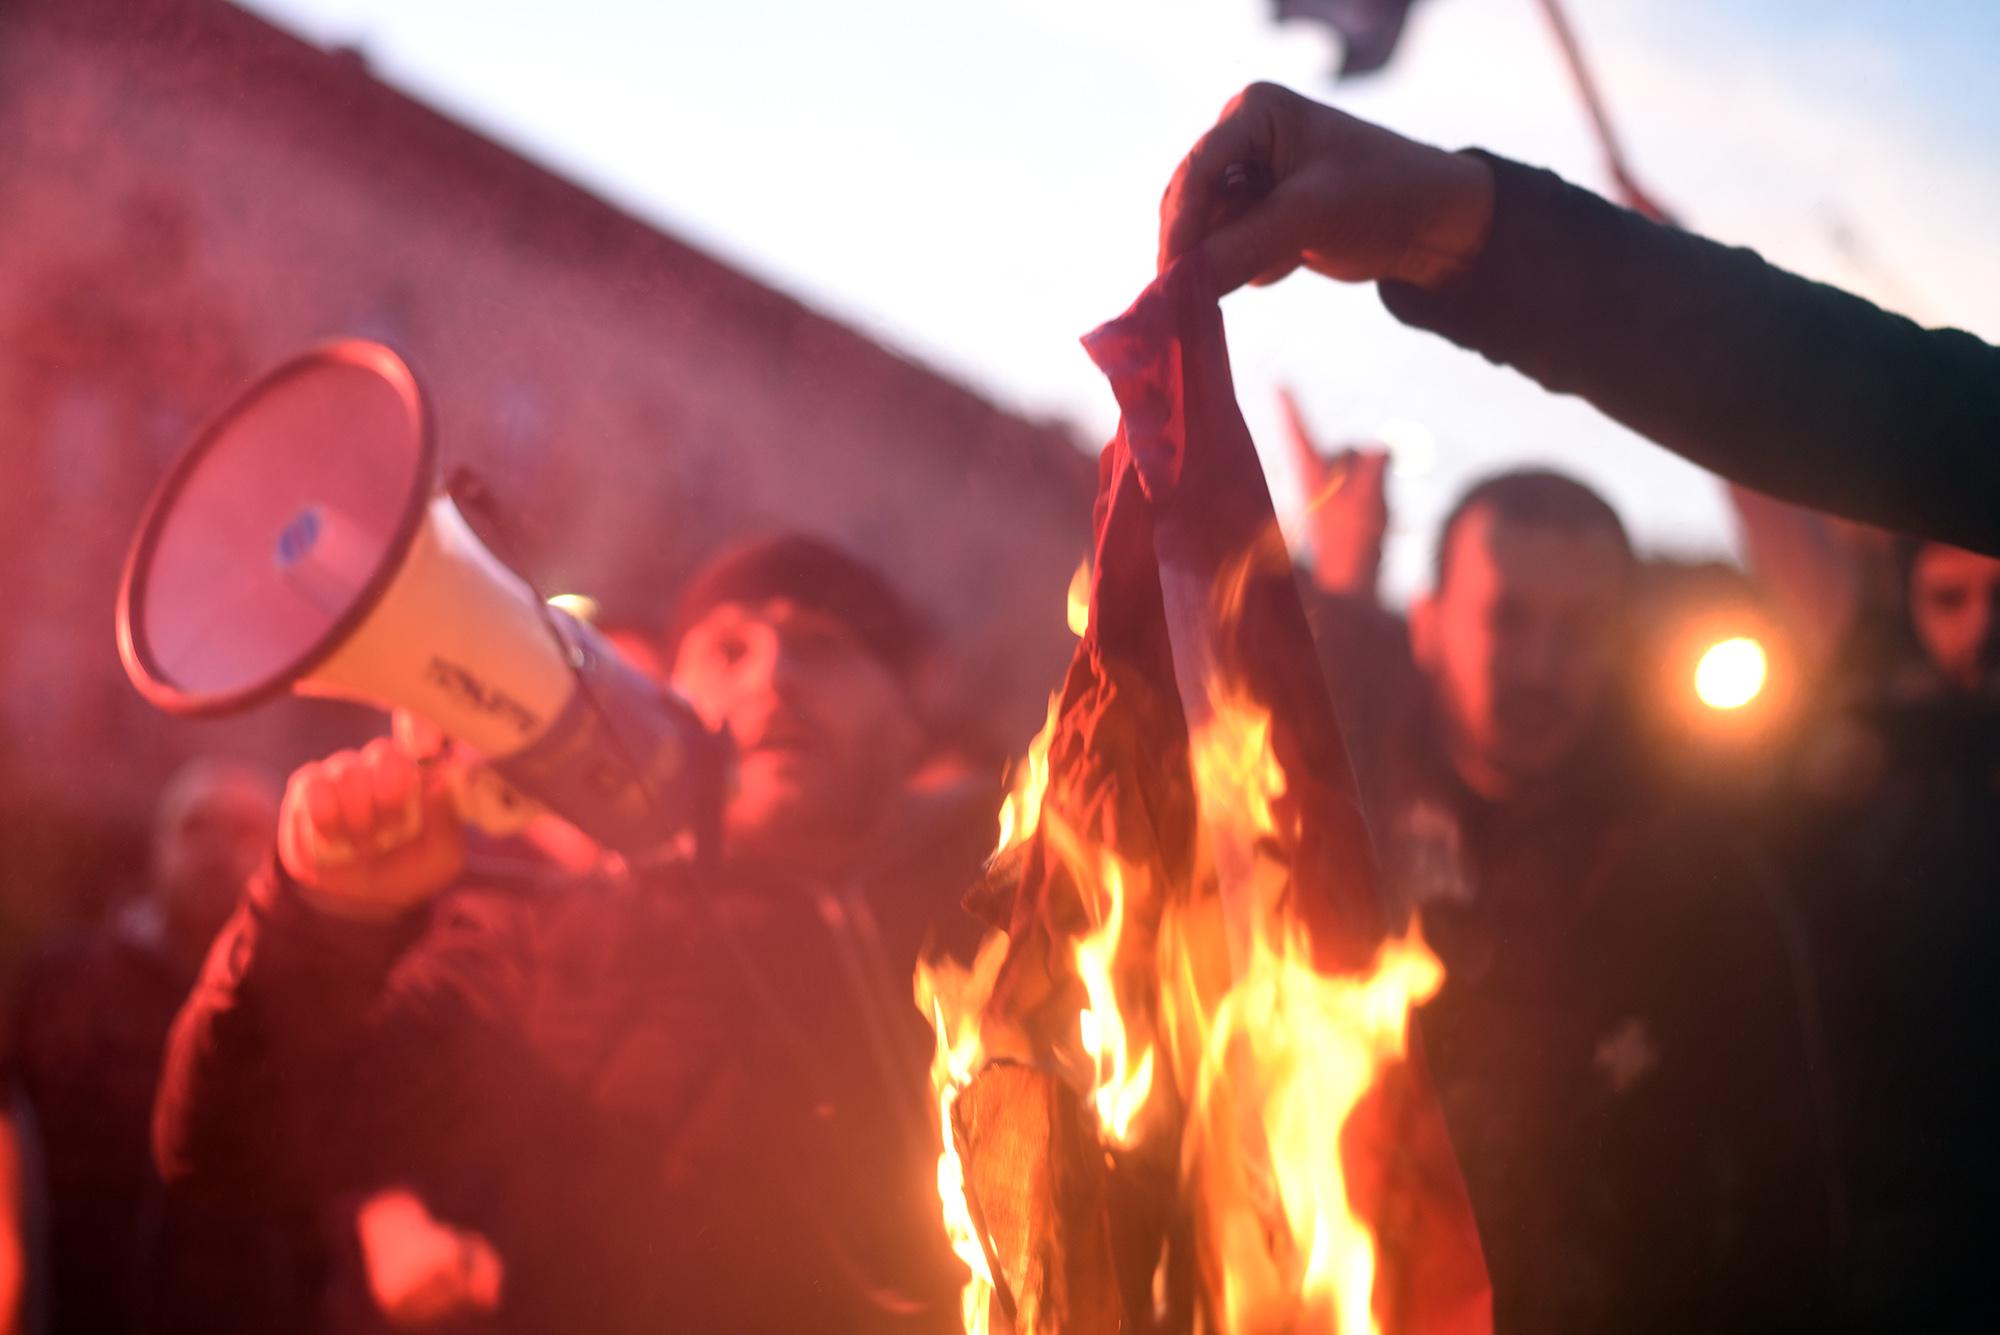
x=1731, y=673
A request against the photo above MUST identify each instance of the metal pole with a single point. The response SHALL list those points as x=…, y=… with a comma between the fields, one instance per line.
x=1629, y=192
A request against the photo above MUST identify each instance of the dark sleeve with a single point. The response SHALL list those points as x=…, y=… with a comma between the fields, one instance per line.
x=315, y=1054
x=1791, y=387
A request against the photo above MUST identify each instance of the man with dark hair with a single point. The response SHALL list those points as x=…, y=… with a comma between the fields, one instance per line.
x=1620, y=1044
x=1523, y=634
x=687, y=1099
x=1535, y=496
x=821, y=735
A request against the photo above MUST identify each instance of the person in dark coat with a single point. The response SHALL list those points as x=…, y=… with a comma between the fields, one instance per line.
x=1791, y=387
x=1893, y=840
x=1624, y=1043
x=89, y=1032
x=692, y=1098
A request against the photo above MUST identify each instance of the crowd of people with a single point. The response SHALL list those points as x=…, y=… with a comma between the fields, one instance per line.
x=1712, y=1056
x=1703, y=1046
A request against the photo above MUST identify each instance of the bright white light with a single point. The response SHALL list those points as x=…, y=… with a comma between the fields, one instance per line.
x=1731, y=674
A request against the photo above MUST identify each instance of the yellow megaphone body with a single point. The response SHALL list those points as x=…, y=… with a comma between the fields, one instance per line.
x=300, y=544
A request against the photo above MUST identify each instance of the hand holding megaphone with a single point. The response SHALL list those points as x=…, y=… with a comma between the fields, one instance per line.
x=371, y=834
x=482, y=799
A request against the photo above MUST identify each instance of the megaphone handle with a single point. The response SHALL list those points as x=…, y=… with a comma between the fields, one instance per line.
x=488, y=802
x=481, y=797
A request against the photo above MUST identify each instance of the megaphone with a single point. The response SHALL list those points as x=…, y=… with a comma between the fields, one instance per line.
x=300, y=543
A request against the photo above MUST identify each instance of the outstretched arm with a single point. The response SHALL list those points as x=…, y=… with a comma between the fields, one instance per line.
x=1791, y=387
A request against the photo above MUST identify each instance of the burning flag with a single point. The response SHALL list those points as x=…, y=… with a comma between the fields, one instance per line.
x=1178, y=1092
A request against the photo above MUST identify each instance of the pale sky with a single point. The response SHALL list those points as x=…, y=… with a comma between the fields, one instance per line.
x=975, y=183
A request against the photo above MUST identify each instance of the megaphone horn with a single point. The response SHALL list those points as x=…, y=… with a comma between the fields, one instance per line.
x=300, y=544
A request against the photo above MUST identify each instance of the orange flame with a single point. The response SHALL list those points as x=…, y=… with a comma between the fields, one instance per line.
x=953, y=997
x=1021, y=811
x=1121, y=1084
x=1269, y=1055
x=1288, y=1053
x=1079, y=599
x=1283, y=1054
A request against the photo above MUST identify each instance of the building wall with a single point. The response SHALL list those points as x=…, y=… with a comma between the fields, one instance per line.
x=188, y=195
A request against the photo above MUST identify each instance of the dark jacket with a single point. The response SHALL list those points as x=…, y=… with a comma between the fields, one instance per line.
x=677, y=1103
x=1624, y=1044
x=1631, y=1072
x=124, y=1254
x=1894, y=838
x=1791, y=387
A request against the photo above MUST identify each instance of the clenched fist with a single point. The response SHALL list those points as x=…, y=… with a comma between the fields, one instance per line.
x=1347, y=507
x=421, y=1271
x=370, y=834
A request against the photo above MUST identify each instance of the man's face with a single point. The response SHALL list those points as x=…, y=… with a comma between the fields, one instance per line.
x=1522, y=645
x=824, y=731
x=209, y=844
x=1955, y=609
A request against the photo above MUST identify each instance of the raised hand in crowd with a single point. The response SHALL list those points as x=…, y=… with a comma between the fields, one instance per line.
x=1346, y=506
x=421, y=1271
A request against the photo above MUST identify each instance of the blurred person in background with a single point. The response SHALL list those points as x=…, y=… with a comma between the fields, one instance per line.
x=89, y=1029
x=1893, y=841
x=689, y=1098
x=1624, y=1043
x=15, y=1230
x=1955, y=615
